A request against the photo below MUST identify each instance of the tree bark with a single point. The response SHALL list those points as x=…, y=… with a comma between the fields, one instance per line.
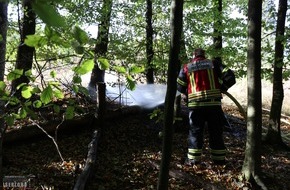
x=3, y=33
x=149, y=43
x=174, y=61
x=252, y=162
x=273, y=135
x=183, y=59
x=101, y=47
x=217, y=33
x=24, y=58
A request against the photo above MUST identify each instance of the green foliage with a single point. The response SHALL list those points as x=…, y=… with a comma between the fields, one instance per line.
x=129, y=73
x=80, y=35
x=157, y=114
x=85, y=67
x=2, y=86
x=47, y=13
x=103, y=63
x=69, y=113
x=63, y=36
x=46, y=95
x=15, y=74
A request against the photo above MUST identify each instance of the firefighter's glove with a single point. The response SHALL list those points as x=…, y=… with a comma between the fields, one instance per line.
x=228, y=80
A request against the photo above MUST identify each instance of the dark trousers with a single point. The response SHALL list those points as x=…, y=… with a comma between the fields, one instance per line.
x=214, y=117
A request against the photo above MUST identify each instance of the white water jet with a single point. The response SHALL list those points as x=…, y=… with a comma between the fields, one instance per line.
x=147, y=96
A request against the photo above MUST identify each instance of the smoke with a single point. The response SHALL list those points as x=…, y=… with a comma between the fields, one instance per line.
x=147, y=96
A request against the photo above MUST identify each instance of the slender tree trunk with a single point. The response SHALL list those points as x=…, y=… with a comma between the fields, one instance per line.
x=217, y=33
x=273, y=135
x=25, y=53
x=252, y=162
x=101, y=48
x=183, y=59
x=149, y=43
x=3, y=33
x=174, y=61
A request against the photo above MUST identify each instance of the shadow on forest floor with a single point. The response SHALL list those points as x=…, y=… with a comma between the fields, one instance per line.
x=129, y=154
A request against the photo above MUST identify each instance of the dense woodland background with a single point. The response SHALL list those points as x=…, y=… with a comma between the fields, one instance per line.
x=141, y=41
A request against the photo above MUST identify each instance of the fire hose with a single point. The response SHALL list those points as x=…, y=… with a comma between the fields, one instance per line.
x=241, y=109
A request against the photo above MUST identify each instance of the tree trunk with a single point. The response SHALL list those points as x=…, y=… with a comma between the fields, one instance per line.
x=183, y=59
x=217, y=33
x=174, y=61
x=25, y=53
x=149, y=43
x=252, y=162
x=273, y=135
x=3, y=33
x=101, y=48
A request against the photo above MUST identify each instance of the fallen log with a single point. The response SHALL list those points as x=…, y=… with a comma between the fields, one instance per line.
x=31, y=131
x=90, y=162
x=68, y=126
x=86, y=174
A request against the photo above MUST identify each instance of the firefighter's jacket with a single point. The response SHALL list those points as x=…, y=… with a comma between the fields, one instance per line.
x=201, y=81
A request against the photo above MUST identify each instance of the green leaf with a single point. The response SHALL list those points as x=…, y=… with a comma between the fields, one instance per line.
x=28, y=73
x=80, y=35
x=69, y=113
x=79, y=49
x=46, y=95
x=75, y=88
x=2, y=85
x=83, y=90
x=48, y=14
x=135, y=69
x=31, y=113
x=13, y=101
x=22, y=113
x=85, y=67
x=48, y=31
x=53, y=74
x=35, y=41
x=130, y=83
x=15, y=74
x=56, y=108
x=26, y=91
x=120, y=69
x=103, y=63
x=36, y=90
x=10, y=119
x=77, y=79
x=37, y=104
x=57, y=93
x=21, y=85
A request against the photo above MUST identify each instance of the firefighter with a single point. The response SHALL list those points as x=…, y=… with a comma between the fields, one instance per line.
x=202, y=81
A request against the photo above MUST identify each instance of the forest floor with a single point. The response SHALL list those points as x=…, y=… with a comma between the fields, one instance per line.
x=129, y=155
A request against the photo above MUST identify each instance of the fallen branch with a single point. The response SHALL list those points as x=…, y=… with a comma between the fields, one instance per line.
x=58, y=151
x=90, y=162
x=62, y=126
x=92, y=153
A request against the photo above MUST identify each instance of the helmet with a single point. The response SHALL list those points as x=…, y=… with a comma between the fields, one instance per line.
x=199, y=52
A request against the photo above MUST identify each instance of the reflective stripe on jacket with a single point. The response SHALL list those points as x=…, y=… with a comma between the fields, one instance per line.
x=199, y=80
